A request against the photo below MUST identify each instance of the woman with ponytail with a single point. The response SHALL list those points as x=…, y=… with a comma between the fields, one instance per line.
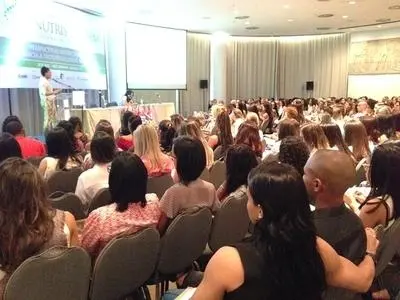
x=284, y=259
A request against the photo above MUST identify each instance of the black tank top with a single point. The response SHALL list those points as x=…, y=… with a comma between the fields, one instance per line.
x=253, y=265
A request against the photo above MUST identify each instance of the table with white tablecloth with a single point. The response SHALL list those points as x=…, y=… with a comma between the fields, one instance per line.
x=91, y=116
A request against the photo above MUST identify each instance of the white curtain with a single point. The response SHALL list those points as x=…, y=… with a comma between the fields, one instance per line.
x=251, y=67
x=197, y=68
x=322, y=59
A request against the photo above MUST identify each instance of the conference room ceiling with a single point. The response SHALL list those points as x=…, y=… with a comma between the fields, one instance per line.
x=252, y=17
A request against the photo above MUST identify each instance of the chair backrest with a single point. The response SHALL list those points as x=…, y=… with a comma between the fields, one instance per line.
x=158, y=185
x=71, y=203
x=230, y=223
x=102, y=198
x=184, y=241
x=35, y=160
x=218, y=173
x=64, y=181
x=59, y=273
x=360, y=172
x=124, y=265
x=205, y=175
x=389, y=246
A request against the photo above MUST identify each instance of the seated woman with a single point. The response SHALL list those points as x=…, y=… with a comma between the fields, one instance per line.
x=190, y=191
x=223, y=138
x=355, y=136
x=382, y=206
x=335, y=138
x=286, y=128
x=102, y=151
x=237, y=120
x=77, y=144
x=9, y=147
x=131, y=211
x=167, y=134
x=248, y=135
x=193, y=130
x=284, y=258
x=129, y=123
x=61, y=155
x=147, y=147
x=80, y=137
x=240, y=160
x=28, y=223
x=294, y=151
x=314, y=137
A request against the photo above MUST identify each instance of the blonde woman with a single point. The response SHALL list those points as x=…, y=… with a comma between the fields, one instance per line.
x=193, y=130
x=147, y=147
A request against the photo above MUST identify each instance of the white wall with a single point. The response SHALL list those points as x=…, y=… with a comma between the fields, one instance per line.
x=374, y=86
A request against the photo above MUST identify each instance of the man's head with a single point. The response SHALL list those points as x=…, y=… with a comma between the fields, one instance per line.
x=45, y=71
x=327, y=176
x=14, y=128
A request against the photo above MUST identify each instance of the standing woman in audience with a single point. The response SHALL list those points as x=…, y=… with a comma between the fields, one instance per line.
x=60, y=153
x=248, y=135
x=240, y=160
x=147, y=147
x=335, y=138
x=356, y=138
x=314, y=137
x=383, y=203
x=223, y=139
x=190, y=191
x=124, y=137
x=191, y=129
x=28, y=223
x=132, y=208
x=284, y=259
x=102, y=152
x=167, y=134
x=9, y=147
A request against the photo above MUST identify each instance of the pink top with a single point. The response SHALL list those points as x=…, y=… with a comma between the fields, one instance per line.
x=167, y=164
x=105, y=223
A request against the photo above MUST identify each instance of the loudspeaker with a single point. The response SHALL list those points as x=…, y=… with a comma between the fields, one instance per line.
x=310, y=85
x=204, y=84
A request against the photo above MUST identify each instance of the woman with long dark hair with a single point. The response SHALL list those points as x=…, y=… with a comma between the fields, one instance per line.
x=267, y=124
x=335, y=138
x=239, y=160
x=28, y=223
x=223, y=139
x=355, y=136
x=383, y=203
x=60, y=153
x=284, y=259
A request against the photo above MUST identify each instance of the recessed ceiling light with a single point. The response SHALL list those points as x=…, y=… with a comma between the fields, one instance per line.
x=290, y=20
x=325, y=16
x=383, y=20
x=252, y=28
x=242, y=17
x=247, y=23
x=345, y=17
x=394, y=7
x=379, y=26
x=286, y=6
x=352, y=2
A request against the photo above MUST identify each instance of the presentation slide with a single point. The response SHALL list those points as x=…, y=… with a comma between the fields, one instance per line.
x=43, y=33
x=155, y=57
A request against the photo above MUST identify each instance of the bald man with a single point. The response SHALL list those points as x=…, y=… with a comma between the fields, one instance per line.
x=327, y=176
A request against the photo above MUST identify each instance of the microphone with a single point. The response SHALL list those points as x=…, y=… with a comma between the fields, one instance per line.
x=64, y=84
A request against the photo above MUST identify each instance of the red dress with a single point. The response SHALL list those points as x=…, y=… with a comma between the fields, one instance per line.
x=124, y=144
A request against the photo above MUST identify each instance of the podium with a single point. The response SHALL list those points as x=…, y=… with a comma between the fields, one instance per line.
x=66, y=100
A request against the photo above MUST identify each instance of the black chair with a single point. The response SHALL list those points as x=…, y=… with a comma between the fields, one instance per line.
x=71, y=203
x=59, y=273
x=64, y=181
x=102, y=198
x=124, y=265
